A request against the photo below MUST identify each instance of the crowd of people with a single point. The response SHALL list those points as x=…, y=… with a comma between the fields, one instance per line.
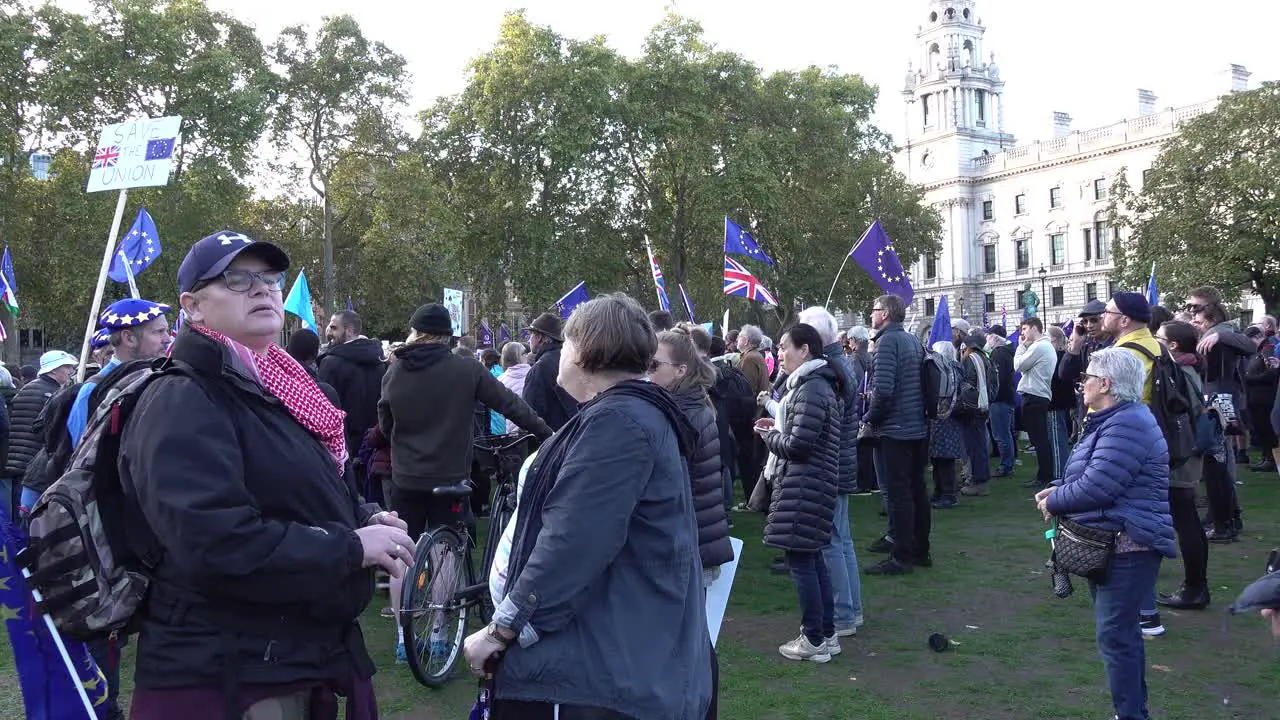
x=280, y=480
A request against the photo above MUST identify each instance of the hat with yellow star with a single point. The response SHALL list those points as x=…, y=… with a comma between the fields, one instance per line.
x=100, y=339
x=130, y=312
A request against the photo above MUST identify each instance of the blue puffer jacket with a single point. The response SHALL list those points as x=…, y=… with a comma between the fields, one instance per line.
x=897, y=394
x=1117, y=477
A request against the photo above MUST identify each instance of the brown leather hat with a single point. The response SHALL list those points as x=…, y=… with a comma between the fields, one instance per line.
x=548, y=324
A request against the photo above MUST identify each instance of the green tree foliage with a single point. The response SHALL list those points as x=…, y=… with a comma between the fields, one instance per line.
x=1208, y=212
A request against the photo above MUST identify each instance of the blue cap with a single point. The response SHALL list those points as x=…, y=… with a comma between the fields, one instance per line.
x=130, y=312
x=100, y=339
x=211, y=255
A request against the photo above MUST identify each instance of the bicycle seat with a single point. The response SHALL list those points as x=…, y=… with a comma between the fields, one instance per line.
x=452, y=491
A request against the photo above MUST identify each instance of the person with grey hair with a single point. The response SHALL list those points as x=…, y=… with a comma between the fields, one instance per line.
x=860, y=340
x=840, y=556
x=1117, y=481
x=750, y=449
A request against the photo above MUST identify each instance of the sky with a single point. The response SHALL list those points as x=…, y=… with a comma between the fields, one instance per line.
x=1083, y=57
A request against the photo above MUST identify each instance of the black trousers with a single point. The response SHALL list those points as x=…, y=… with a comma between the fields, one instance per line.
x=1220, y=487
x=1035, y=421
x=910, y=515
x=944, y=477
x=749, y=458
x=867, y=466
x=1193, y=546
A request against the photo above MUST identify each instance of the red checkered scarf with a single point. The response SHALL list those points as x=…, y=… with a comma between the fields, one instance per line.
x=289, y=382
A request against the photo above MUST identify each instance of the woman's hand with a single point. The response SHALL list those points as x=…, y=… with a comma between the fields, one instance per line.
x=387, y=547
x=390, y=519
x=763, y=426
x=1042, y=501
x=762, y=399
x=479, y=648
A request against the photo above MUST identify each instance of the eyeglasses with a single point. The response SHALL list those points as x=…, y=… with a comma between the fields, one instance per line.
x=655, y=363
x=1162, y=338
x=241, y=281
x=874, y=310
x=1193, y=308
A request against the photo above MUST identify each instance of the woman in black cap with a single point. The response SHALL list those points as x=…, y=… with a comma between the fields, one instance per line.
x=268, y=557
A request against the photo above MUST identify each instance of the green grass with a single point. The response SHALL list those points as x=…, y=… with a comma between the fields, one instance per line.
x=1019, y=653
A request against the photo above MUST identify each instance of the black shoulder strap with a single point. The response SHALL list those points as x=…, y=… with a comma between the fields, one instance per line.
x=1144, y=351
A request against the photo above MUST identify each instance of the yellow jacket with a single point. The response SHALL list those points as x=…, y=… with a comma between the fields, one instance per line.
x=1143, y=337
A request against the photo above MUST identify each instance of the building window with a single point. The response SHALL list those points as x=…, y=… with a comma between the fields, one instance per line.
x=989, y=302
x=924, y=104
x=1101, y=246
x=988, y=209
x=1055, y=197
x=930, y=266
x=1090, y=292
x=989, y=259
x=1088, y=244
x=980, y=97
x=1057, y=249
x=1055, y=296
x=1107, y=285
x=1020, y=204
x=1100, y=189
x=1146, y=177
x=1022, y=251
x=928, y=306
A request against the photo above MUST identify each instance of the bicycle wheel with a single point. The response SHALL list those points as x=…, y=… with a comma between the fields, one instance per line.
x=434, y=618
x=500, y=512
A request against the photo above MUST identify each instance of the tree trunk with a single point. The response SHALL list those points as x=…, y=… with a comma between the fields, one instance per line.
x=327, y=255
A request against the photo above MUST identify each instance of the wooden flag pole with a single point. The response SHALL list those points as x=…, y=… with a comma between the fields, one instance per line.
x=92, y=325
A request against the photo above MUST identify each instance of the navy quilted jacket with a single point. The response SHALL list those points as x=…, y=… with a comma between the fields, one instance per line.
x=804, y=489
x=897, y=395
x=844, y=367
x=1117, y=477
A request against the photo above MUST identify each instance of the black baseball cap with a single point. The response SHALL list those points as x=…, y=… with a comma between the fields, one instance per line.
x=211, y=255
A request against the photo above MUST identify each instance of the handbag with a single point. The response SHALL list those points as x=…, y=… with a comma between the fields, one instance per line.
x=1082, y=550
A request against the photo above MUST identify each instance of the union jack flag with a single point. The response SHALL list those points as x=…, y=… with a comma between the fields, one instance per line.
x=659, y=282
x=739, y=281
x=107, y=157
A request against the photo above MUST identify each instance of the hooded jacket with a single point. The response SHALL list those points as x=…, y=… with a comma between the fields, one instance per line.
x=428, y=399
x=706, y=478
x=513, y=379
x=548, y=399
x=355, y=370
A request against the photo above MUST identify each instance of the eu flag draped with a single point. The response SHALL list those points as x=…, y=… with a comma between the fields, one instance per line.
x=688, y=305
x=1153, y=297
x=874, y=253
x=941, y=330
x=739, y=242
x=48, y=689
x=659, y=282
x=299, y=303
x=573, y=299
x=138, y=248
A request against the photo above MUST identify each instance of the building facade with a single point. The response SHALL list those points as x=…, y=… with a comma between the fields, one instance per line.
x=1015, y=217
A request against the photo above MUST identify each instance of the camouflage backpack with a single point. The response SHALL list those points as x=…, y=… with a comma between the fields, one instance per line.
x=90, y=549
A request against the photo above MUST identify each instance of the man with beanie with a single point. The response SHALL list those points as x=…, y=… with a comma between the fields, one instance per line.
x=1125, y=319
x=428, y=398
x=542, y=393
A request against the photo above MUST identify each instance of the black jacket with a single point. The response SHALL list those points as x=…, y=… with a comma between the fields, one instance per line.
x=1064, y=389
x=330, y=392
x=426, y=411
x=1260, y=383
x=258, y=530
x=808, y=464
x=24, y=440
x=355, y=370
x=706, y=477
x=850, y=379
x=897, y=390
x=548, y=399
x=1005, y=388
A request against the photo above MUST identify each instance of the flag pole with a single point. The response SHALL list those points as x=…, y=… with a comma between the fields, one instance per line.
x=847, y=255
x=102, y=284
x=128, y=273
x=62, y=649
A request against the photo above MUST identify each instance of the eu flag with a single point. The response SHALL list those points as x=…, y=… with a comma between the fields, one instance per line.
x=49, y=689
x=573, y=299
x=160, y=149
x=688, y=305
x=739, y=242
x=875, y=253
x=139, y=248
x=941, y=330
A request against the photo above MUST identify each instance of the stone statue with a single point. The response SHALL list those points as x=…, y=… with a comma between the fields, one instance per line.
x=1030, y=301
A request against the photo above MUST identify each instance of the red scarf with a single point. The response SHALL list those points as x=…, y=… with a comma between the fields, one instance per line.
x=279, y=374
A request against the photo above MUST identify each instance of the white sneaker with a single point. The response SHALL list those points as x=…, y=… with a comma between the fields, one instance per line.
x=802, y=649
x=833, y=645
x=1151, y=626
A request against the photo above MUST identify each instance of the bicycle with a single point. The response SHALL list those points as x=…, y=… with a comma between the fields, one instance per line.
x=441, y=588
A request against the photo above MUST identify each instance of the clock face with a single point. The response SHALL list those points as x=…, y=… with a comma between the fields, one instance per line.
x=927, y=160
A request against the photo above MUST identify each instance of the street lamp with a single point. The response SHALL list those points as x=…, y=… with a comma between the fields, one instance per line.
x=1042, y=273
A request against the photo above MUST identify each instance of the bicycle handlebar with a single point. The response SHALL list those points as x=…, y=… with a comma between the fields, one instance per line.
x=488, y=445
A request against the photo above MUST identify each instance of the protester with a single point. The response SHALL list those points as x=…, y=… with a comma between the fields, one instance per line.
x=1262, y=381
x=946, y=444
x=576, y=588
x=974, y=411
x=353, y=364
x=25, y=441
x=304, y=346
x=661, y=321
x=541, y=390
x=1003, y=399
x=756, y=372
x=1037, y=361
x=1117, y=480
x=515, y=367
x=237, y=466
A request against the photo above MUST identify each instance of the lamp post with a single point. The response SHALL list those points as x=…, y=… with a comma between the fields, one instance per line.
x=1042, y=273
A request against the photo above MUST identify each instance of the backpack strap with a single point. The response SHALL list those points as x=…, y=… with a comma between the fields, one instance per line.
x=1147, y=353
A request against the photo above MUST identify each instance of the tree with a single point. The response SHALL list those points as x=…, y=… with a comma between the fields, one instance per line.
x=1208, y=212
x=338, y=100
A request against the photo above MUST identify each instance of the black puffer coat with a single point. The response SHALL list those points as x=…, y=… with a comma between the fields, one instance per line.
x=850, y=379
x=706, y=477
x=24, y=441
x=807, y=461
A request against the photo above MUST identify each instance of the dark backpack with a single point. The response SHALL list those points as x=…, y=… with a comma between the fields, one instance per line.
x=734, y=392
x=1171, y=394
x=90, y=548
x=941, y=381
x=51, y=427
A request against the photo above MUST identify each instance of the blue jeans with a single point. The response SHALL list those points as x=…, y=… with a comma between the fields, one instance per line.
x=1116, y=604
x=817, y=605
x=1002, y=429
x=842, y=567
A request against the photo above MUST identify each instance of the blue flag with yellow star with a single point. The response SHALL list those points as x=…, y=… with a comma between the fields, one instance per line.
x=875, y=253
x=139, y=248
x=48, y=690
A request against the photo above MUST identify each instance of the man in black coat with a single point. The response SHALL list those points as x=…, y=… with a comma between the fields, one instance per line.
x=354, y=366
x=1001, y=399
x=541, y=392
x=56, y=370
x=304, y=346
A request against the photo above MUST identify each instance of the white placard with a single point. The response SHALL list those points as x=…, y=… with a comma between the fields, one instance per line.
x=453, y=302
x=718, y=591
x=133, y=154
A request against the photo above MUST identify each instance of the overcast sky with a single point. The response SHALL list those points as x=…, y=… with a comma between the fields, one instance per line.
x=1083, y=57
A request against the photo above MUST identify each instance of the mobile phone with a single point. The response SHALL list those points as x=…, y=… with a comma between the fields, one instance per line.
x=1079, y=330
x=1273, y=561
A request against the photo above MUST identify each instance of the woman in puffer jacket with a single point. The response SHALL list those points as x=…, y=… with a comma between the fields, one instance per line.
x=1117, y=479
x=803, y=466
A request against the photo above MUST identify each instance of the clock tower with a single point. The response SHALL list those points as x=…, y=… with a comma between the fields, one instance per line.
x=953, y=96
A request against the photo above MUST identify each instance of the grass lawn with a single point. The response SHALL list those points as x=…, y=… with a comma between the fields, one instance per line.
x=1019, y=653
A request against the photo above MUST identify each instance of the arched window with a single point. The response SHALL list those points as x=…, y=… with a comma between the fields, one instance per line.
x=970, y=53
x=935, y=57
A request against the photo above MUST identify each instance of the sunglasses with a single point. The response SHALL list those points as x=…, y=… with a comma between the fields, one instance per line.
x=1091, y=320
x=1193, y=308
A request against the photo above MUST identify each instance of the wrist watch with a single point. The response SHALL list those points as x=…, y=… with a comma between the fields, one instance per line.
x=502, y=635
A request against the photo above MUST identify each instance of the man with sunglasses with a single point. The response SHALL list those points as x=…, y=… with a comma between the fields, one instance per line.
x=1085, y=340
